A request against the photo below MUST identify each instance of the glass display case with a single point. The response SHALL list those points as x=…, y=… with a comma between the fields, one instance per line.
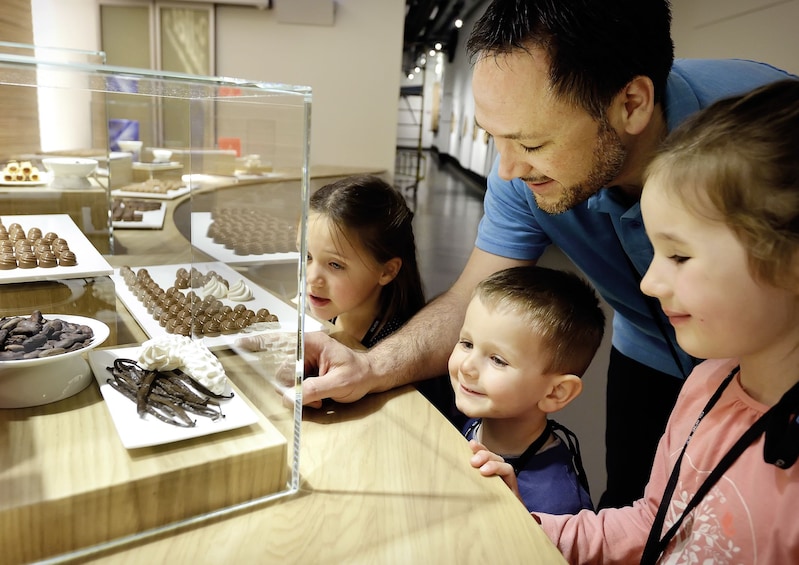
x=152, y=230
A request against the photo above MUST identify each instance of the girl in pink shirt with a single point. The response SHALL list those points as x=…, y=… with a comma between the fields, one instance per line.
x=721, y=208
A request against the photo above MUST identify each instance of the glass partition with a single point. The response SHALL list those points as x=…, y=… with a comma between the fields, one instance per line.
x=151, y=299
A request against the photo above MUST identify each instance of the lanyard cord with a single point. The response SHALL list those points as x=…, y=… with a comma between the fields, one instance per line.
x=655, y=545
x=574, y=448
x=520, y=462
x=370, y=333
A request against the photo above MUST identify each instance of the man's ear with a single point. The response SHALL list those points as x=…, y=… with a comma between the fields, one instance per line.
x=390, y=270
x=632, y=108
x=563, y=389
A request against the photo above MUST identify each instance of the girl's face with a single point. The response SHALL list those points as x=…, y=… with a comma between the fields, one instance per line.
x=342, y=276
x=497, y=367
x=701, y=276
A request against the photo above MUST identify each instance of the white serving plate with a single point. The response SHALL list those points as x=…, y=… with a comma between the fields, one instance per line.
x=199, y=239
x=150, y=220
x=33, y=382
x=164, y=275
x=90, y=262
x=136, y=431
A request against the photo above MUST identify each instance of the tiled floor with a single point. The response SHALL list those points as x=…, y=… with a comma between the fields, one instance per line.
x=448, y=209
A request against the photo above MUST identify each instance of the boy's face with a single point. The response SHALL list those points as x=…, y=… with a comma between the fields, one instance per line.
x=496, y=368
x=701, y=276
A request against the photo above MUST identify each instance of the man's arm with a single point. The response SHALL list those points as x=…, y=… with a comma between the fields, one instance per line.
x=417, y=351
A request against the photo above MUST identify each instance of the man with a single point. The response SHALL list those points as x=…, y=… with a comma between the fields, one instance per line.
x=576, y=94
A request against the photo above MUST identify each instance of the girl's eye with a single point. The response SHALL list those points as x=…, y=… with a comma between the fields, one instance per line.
x=678, y=259
x=308, y=258
x=530, y=149
x=466, y=344
x=336, y=266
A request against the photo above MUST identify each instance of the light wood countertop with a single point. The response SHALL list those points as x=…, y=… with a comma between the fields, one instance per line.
x=384, y=480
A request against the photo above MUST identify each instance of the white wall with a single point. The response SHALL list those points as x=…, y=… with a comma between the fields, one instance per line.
x=351, y=67
x=763, y=30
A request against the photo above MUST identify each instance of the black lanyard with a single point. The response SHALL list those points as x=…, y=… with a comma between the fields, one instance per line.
x=370, y=333
x=519, y=463
x=655, y=545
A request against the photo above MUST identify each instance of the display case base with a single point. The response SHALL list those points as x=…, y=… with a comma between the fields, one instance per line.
x=66, y=481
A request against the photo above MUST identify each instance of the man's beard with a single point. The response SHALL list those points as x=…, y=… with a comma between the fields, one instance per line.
x=608, y=160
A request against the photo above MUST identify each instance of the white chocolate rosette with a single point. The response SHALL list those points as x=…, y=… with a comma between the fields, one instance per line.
x=214, y=287
x=239, y=292
x=170, y=352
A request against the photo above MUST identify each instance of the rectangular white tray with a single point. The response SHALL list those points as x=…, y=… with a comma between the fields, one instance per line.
x=90, y=262
x=164, y=275
x=199, y=239
x=136, y=431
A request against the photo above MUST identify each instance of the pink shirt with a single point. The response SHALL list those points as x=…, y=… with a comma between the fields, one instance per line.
x=750, y=516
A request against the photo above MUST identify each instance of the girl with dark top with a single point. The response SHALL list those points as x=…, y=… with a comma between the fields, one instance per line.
x=362, y=272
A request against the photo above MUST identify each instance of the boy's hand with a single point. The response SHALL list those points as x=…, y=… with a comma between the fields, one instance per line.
x=489, y=463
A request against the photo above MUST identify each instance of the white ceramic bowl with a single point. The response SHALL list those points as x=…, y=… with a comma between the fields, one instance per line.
x=129, y=145
x=70, y=166
x=33, y=382
x=161, y=155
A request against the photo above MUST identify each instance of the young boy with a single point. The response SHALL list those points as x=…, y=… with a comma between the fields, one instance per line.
x=528, y=336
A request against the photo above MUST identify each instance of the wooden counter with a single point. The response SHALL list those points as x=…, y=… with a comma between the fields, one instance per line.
x=383, y=480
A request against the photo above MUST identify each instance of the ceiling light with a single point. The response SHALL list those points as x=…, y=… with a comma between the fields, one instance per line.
x=459, y=23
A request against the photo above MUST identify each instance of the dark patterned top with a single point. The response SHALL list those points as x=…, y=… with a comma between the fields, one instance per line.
x=371, y=338
x=390, y=327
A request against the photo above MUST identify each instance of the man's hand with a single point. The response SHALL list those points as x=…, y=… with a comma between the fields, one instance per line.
x=343, y=374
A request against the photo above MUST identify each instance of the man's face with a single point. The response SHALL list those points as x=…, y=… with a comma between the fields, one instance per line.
x=561, y=152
